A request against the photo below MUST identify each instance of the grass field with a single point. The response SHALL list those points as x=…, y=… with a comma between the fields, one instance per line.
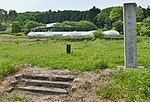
x=86, y=55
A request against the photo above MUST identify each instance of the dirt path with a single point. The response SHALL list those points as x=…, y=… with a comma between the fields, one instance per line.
x=83, y=88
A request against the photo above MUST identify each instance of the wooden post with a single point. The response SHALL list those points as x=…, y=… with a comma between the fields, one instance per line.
x=68, y=49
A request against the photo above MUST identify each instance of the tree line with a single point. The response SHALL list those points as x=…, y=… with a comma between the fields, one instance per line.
x=50, y=16
x=106, y=19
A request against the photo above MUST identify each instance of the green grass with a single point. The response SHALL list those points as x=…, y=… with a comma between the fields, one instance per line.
x=10, y=36
x=18, y=98
x=130, y=86
x=86, y=55
x=14, y=97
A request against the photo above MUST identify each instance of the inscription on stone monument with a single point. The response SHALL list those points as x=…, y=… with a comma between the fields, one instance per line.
x=130, y=33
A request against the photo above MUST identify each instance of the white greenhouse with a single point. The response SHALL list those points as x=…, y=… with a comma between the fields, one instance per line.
x=73, y=33
x=111, y=32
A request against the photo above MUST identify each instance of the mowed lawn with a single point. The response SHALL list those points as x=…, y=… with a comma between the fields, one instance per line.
x=85, y=56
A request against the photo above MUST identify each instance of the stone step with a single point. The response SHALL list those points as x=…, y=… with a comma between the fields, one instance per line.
x=65, y=78
x=43, y=89
x=10, y=89
x=36, y=77
x=43, y=83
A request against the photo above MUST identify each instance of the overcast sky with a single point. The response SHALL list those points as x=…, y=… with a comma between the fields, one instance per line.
x=45, y=5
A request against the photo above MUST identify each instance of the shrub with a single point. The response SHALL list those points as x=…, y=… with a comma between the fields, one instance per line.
x=18, y=34
x=145, y=31
x=139, y=28
x=98, y=34
x=16, y=27
x=146, y=27
x=8, y=30
x=33, y=24
x=2, y=27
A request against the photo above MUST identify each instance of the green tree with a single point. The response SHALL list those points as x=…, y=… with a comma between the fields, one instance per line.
x=116, y=14
x=108, y=24
x=139, y=14
x=91, y=14
x=75, y=26
x=67, y=15
x=25, y=17
x=86, y=26
x=16, y=27
x=32, y=24
x=2, y=27
x=146, y=27
x=12, y=15
x=146, y=12
x=118, y=26
x=146, y=23
x=98, y=34
x=3, y=15
x=103, y=17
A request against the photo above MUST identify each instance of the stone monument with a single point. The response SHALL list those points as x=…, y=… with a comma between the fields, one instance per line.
x=130, y=33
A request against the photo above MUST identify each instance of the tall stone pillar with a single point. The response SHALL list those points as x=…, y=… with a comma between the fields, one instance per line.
x=130, y=33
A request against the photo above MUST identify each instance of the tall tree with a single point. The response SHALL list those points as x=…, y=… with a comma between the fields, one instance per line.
x=12, y=15
x=139, y=14
x=116, y=14
x=3, y=15
x=32, y=24
x=2, y=27
x=103, y=17
x=146, y=27
x=16, y=27
x=146, y=12
x=92, y=13
x=118, y=26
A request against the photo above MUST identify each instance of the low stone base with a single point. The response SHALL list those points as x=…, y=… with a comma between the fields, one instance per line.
x=123, y=67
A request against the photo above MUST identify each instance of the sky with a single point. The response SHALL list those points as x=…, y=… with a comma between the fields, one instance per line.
x=54, y=5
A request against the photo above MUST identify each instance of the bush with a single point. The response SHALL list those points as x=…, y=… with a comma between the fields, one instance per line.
x=18, y=34
x=145, y=31
x=139, y=28
x=146, y=27
x=8, y=30
x=2, y=27
x=86, y=26
x=98, y=34
x=33, y=24
x=16, y=27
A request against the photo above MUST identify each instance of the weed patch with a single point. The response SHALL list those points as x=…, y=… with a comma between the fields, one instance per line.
x=130, y=86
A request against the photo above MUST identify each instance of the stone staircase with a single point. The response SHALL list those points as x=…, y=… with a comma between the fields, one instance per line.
x=53, y=84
